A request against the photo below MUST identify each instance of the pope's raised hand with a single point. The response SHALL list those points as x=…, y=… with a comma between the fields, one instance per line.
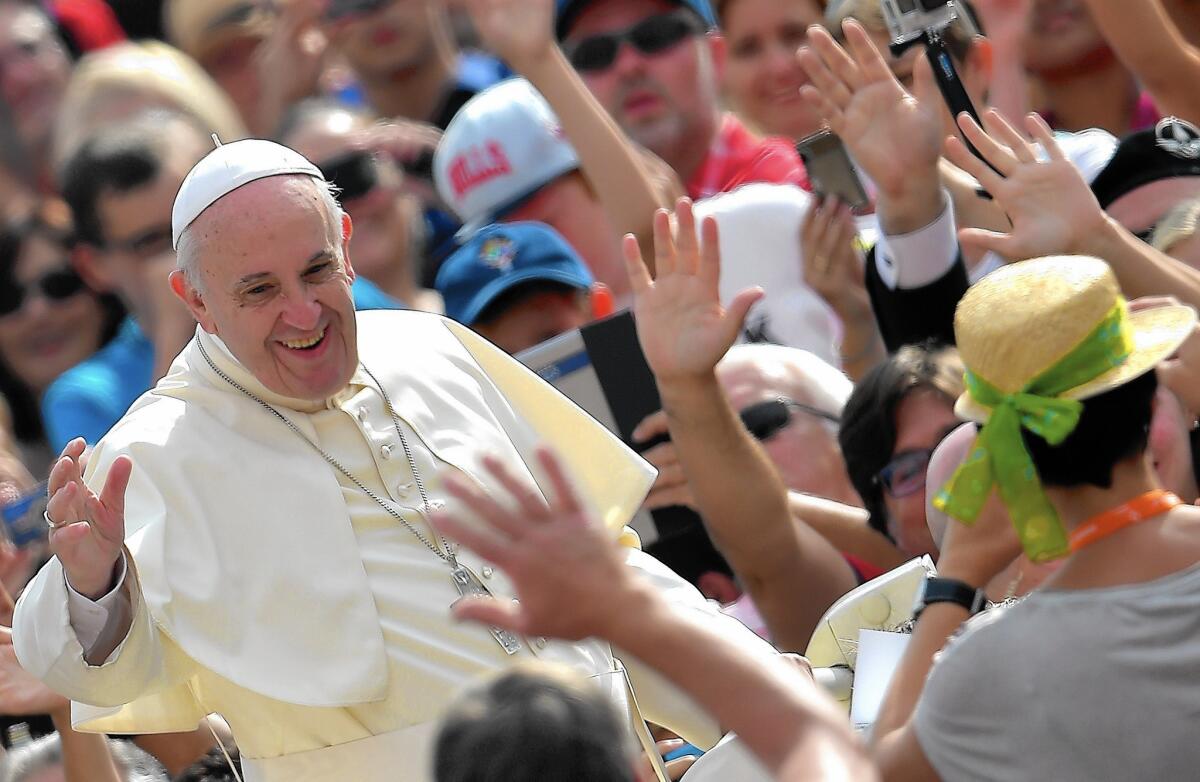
x=88, y=529
x=682, y=326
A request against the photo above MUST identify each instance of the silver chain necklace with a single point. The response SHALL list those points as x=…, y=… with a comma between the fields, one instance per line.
x=465, y=582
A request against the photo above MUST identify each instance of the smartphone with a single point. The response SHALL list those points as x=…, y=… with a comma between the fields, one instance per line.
x=23, y=522
x=342, y=9
x=830, y=170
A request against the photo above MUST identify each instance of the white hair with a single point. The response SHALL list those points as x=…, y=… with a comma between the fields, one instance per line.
x=187, y=253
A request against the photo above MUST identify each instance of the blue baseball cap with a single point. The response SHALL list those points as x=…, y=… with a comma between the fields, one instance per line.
x=569, y=9
x=501, y=256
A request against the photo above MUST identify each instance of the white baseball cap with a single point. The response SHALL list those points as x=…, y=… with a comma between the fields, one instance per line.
x=227, y=168
x=502, y=147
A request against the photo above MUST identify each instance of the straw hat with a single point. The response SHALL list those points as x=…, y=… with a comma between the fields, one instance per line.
x=1022, y=319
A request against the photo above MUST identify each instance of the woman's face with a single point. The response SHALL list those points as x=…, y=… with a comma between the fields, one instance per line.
x=762, y=76
x=923, y=419
x=58, y=322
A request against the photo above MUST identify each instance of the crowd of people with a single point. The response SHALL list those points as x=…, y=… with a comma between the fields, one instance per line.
x=282, y=502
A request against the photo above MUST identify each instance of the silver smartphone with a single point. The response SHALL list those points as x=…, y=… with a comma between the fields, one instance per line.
x=831, y=172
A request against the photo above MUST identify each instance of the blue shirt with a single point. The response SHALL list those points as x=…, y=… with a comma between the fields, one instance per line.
x=87, y=399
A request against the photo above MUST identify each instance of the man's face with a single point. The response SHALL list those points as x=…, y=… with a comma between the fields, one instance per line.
x=390, y=40
x=1138, y=211
x=232, y=66
x=656, y=98
x=275, y=285
x=383, y=215
x=805, y=451
x=33, y=70
x=1061, y=34
x=137, y=258
x=533, y=320
x=568, y=206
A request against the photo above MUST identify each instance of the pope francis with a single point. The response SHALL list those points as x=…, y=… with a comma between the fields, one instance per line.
x=251, y=538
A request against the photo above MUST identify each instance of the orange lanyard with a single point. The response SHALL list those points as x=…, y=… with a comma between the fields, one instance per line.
x=1147, y=506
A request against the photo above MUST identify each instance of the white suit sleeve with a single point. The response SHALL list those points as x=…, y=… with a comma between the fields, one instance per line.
x=48, y=645
x=922, y=257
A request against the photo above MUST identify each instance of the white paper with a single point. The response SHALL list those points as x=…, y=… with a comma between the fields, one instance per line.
x=879, y=655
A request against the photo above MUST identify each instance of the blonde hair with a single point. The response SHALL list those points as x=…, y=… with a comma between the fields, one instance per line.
x=1180, y=223
x=144, y=74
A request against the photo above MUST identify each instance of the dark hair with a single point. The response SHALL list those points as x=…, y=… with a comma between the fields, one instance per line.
x=51, y=221
x=520, y=293
x=867, y=434
x=1115, y=426
x=533, y=724
x=118, y=158
x=213, y=767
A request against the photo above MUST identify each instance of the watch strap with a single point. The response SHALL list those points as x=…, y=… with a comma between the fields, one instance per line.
x=950, y=590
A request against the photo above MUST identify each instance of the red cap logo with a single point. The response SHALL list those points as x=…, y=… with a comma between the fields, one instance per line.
x=477, y=166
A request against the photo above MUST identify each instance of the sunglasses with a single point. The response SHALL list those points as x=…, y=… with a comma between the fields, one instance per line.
x=650, y=36
x=355, y=174
x=766, y=419
x=56, y=286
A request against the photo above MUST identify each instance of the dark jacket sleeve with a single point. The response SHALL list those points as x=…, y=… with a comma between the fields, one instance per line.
x=911, y=315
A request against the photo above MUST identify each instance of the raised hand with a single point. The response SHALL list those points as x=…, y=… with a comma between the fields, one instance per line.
x=88, y=529
x=893, y=135
x=520, y=32
x=683, y=329
x=1050, y=205
x=567, y=570
x=671, y=487
x=22, y=694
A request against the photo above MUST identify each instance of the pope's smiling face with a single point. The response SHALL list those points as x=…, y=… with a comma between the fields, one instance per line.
x=274, y=279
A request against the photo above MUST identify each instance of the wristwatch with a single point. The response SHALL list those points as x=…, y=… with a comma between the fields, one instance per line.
x=949, y=590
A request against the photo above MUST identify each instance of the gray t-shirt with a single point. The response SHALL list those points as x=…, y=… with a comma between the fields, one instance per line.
x=1091, y=685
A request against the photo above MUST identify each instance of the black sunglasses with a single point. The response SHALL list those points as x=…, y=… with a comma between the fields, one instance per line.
x=650, y=36
x=765, y=419
x=354, y=173
x=57, y=285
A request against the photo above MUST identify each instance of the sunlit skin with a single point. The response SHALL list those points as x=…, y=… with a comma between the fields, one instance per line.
x=45, y=338
x=923, y=419
x=570, y=207
x=1140, y=209
x=1061, y=33
x=667, y=102
x=762, y=75
x=275, y=275
x=806, y=451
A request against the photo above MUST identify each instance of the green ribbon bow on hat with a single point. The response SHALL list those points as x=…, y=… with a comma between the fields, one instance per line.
x=999, y=455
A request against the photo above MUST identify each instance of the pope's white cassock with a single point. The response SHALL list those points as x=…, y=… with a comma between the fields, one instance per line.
x=266, y=587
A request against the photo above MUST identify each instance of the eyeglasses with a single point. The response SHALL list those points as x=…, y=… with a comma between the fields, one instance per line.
x=766, y=419
x=58, y=285
x=904, y=475
x=354, y=173
x=145, y=244
x=650, y=36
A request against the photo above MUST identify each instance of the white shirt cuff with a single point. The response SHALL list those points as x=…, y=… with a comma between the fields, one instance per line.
x=922, y=257
x=90, y=617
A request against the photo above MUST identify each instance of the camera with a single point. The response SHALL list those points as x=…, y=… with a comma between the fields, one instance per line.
x=908, y=20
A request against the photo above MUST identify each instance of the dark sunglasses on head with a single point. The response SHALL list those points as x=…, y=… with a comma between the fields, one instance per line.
x=650, y=36
x=355, y=173
x=904, y=475
x=60, y=284
x=765, y=419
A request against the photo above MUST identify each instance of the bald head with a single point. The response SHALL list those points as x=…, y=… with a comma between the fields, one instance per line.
x=946, y=458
